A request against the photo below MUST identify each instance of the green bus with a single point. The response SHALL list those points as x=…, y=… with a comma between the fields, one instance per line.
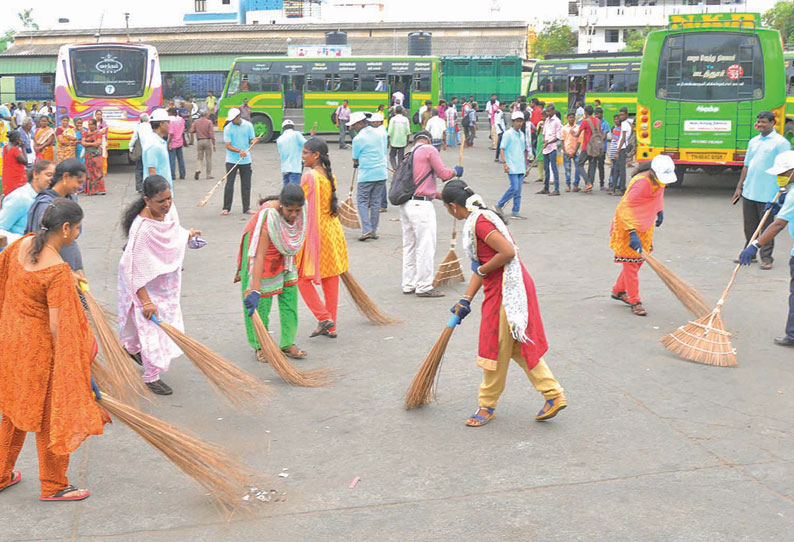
x=703, y=81
x=308, y=90
x=611, y=78
x=788, y=127
x=482, y=76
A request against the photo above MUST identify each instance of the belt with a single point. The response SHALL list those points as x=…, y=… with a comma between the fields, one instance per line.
x=204, y=138
x=422, y=198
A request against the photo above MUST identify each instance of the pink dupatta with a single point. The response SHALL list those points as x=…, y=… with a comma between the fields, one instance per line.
x=309, y=264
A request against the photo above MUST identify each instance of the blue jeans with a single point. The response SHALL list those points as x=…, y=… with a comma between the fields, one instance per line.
x=550, y=165
x=514, y=192
x=451, y=137
x=176, y=155
x=369, y=197
x=566, y=165
x=291, y=178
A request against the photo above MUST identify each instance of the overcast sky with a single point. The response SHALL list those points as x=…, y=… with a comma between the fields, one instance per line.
x=87, y=14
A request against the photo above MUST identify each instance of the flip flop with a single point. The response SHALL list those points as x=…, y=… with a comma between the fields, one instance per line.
x=621, y=296
x=323, y=326
x=224, y=212
x=16, y=476
x=59, y=496
x=481, y=419
x=330, y=334
x=300, y=353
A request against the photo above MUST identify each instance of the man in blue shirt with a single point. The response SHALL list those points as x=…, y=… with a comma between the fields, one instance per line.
x=783, y=168
x=290, y=148
x=512, y=148
x=606, y=131
x=369, y=157
x=757, y=187
x=238, y=135
x=155, y=149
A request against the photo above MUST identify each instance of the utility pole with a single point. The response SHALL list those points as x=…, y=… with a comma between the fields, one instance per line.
x=127, y=22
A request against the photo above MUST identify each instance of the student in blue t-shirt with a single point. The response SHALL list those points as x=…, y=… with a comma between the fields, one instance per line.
x=238, y=135
x=783, y=170
x=369, y=157
x=290, y=149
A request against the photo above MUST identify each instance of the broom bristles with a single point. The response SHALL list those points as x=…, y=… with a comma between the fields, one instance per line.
x=242, y=389
x=449, y=271
x=277, y=360
x=703, y=341
x=363, y=302
x=421, y=390
x=224, y=476
x=121, y=377
x=684, y=291
x=348, y=215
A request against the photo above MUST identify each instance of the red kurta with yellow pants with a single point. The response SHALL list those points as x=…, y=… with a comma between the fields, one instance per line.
x=45, y=382
x=637, y=211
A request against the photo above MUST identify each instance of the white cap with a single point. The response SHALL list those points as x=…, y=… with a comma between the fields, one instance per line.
x=286, y=123
x=376, y=117
x=517, y=115
x=232, y=114
x=358, y=116
x=783, y=162
x=159, y=115
x=664, y=168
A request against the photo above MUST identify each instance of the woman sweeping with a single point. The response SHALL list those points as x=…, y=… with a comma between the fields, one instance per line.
x=150, y=280
x=43, y=141
x=324, y=254
x=46, y=352
x=511, y=326
x=92, y=142
x=67, y=140
x=640, y=208
x=266, y=266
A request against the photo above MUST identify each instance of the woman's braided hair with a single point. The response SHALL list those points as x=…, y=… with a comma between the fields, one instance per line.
x=318, y=145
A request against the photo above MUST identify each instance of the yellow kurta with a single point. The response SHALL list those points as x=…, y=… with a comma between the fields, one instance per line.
x=333, y=246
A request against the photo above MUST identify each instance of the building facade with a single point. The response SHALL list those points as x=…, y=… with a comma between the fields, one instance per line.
x=281, y=11
x=603, y=24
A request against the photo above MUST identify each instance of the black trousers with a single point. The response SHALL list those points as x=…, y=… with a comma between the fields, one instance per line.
x=396, y=156
x=752, y=212
x=245, y=185
x=499, y=144
x=589, y=175
x=599, y=160
x=139, y=174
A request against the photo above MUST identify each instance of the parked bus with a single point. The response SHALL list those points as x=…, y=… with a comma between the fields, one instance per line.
x=120, y=79
x=309, y=90
x=609, y=77
x=481, y=77
x=704, y=80
x=788, y=127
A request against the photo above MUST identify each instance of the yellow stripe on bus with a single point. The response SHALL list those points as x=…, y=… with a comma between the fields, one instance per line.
x=343, y=95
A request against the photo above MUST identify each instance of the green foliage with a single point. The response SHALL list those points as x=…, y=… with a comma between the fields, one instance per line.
x=781, y=18
x=26, y=18
x=556, y=37
x=6, y=39
x=635, y=39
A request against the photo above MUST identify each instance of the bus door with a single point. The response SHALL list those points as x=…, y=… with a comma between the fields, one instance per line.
x=576, y=90
x=403, y=84
x=292, y=90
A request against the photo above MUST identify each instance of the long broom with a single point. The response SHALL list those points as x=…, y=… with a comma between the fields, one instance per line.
x=705, y=340
x=364, y=304
x=348, y=214
x=450, y=271
x=206, y=198
x=277, y=360
x=684, y=291
x=219, y=472
x=122, y=378
x=242, y=389
x=421, y=391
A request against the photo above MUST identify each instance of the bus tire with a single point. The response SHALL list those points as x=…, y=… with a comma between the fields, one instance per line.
x=680, y=169
x=788, y=131
x=263, y=127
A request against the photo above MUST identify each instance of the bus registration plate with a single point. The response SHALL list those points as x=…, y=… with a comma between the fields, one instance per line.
x=706, y=156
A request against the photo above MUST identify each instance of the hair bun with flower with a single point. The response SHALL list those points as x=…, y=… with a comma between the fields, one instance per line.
x=474, y=202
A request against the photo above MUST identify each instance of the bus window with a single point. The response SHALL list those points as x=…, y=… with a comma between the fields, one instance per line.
x=559, y=84
x=632, y=81
x=421, y=82
x=533, y=84
x=234, y=83
x=617, y=82
x=714, y=67
x=597, y=83
x=790, y=90
x=267, y=82
x=344, y=82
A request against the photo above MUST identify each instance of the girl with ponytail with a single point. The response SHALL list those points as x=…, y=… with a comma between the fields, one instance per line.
x=324, y=254
x=511, y=327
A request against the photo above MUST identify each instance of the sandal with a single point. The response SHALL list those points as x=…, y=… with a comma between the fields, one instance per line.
x=621, y=296
x=475, y=420
x=322, y=327
x=260, y=357
x=330, y=334
x=82, y=494
x=551, y=408
x=224, y=212
x=16, y=476
x=294, y=352
x=638, y=309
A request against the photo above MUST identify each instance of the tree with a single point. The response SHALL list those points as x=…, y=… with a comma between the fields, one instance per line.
x=6, y=38
x=556, y=37
x=635, y=39
x=26, y=18
x=781, y=18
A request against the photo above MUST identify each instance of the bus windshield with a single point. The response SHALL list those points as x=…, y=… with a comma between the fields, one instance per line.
x=108, y=72
x=710, y=67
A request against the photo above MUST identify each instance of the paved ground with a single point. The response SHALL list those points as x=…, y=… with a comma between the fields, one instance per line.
x=651, y=447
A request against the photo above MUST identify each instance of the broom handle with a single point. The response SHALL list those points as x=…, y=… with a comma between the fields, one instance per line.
x=206, y=198
x=353, y=182
x=454, y=232
x=538, y=153
x=460, y=155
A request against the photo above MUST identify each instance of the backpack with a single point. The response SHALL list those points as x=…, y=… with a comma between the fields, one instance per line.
x=416, y=119
x=334, y=116
x=465, y=121
x=595, y=145
x=402, y=182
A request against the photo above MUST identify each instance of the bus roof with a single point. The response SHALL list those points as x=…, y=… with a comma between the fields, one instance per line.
x=594, y=56
x=334, y=58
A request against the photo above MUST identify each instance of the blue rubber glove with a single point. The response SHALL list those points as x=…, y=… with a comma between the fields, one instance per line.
x=475, y=268
x=634, y=242
x=458, y=171
x=747, y=255
x=659, y=218
x=774, y=206
x=462, y=308
x=95, y=388
x=252, y=302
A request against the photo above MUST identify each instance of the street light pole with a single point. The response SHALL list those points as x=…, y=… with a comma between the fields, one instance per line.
x=127, y=23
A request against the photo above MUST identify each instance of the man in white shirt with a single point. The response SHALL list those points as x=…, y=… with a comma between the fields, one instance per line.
x=451, y=116
x=397, y=98
x=137, y=141
x=499, y=128
x=625, y=133
x=20, y=114
x=436, y=126
x=490, y=109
